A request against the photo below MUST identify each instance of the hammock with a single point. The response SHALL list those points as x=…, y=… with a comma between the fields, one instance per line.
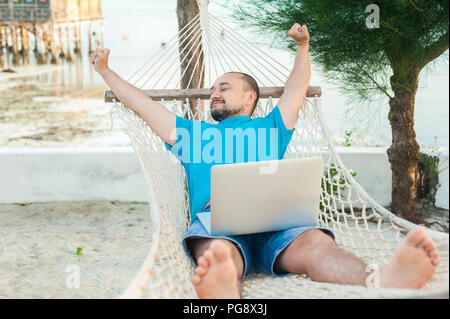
x=361, y=225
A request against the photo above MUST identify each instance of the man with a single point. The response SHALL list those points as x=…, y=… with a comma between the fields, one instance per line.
x=221, y=262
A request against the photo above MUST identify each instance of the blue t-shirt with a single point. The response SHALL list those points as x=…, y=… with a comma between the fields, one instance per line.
x=201, y=145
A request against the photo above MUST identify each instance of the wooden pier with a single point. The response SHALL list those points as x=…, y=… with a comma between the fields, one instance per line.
x=50, y=29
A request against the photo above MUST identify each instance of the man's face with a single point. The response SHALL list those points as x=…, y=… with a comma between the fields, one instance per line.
x=229, y=97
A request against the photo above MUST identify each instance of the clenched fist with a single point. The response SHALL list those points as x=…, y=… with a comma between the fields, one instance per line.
x=99, y=60
x=300, y=34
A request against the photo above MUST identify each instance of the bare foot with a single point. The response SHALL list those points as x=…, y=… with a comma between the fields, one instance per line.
x=414, y=262
x=216, y=275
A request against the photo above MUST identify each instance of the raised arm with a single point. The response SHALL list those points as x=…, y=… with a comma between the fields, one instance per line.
x=297, y=83
x=160, y=119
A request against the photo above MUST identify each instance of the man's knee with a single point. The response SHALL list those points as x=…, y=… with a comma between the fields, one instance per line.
x=314, y=239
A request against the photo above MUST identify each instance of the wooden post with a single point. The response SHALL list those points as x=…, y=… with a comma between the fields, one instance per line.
x=76, y=50
x=53, y=49
x=16, y=58
x=45, y=40
x=25, y=43
x=62, y=54
x=186, y=11
x=69, y=56
x=2, y=59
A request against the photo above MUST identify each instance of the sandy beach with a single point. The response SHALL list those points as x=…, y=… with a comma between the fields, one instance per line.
x=38, y=242
x=40, y=107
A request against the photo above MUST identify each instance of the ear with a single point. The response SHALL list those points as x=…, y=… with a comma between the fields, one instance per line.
x=251, y=98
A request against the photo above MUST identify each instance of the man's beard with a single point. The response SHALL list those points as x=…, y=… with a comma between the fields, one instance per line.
x=220, y=114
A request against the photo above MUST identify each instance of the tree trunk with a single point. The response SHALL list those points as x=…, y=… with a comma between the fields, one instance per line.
x=404, y=152
x=186, y=11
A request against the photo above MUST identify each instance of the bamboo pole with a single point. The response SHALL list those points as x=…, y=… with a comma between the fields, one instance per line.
x=204, y=94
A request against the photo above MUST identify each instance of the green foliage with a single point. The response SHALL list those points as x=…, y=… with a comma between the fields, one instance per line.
x=357, y=58
x=432, y=166
x=78, y=252
x=332, y=182
x=25, y=204
x=347, y=142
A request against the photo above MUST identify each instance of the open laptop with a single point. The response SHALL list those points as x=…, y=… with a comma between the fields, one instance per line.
x=263, y=196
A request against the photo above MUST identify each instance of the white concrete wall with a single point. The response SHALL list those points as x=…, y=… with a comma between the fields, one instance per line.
x=443, y=190
x=372, y=168
x=79, y=174
x=43, y=175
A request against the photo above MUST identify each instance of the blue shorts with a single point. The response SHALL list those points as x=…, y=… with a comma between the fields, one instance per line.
x=259, y=251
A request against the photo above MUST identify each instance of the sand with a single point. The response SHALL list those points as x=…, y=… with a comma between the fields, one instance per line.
x=38, y=241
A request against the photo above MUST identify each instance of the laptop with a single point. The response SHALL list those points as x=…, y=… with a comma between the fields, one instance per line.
x=264, y=196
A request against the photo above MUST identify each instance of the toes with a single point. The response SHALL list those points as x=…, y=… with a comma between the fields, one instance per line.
x=435, y=258
x=221, y=250
x=434, y=254
x=200, y=271
x=202, y=262
x=428, y=244
x=209, y=256
x=436, y=262
x=196, y=280
x=416, y=236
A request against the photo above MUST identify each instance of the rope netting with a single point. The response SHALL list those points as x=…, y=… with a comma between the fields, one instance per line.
x=361, y=225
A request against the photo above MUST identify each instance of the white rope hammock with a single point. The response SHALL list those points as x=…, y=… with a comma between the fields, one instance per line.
x=361, y=225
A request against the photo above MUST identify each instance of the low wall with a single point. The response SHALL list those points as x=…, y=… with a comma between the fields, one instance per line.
x=86, y=174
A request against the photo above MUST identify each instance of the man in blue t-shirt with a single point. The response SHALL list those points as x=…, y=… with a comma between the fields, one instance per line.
x=222, y=261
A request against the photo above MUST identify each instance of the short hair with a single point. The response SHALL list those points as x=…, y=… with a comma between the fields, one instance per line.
x=251, y=85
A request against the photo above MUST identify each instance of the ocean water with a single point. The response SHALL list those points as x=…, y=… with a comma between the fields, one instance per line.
x=135, y=29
